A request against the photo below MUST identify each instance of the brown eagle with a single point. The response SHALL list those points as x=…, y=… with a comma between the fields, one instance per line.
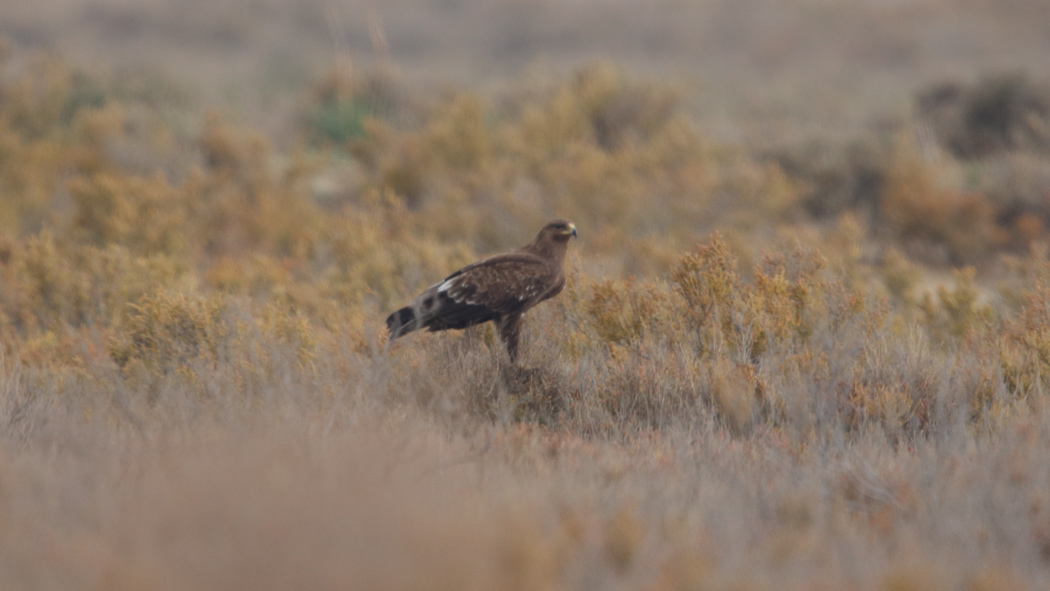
x=500, y=288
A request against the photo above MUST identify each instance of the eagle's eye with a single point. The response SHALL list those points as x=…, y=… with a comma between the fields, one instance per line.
x=561, y=228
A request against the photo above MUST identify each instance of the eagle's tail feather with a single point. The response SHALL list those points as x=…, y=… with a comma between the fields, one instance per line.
x=402, y=322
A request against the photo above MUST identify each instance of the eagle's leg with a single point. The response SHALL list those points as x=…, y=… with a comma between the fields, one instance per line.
x=509, y=332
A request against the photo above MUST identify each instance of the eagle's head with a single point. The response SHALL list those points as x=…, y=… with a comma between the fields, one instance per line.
x=553, y=240
x=558, y=230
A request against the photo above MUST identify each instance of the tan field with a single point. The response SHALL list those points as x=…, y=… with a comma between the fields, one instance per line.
x=804, y=342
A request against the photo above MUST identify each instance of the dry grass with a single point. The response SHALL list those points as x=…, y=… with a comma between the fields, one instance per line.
x=196, y=391
x=317, y=482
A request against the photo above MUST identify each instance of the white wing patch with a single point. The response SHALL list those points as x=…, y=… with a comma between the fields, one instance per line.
x=452, y=288
x=529, y=292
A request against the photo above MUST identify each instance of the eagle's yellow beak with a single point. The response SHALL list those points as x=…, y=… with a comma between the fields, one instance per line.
x=572, y=229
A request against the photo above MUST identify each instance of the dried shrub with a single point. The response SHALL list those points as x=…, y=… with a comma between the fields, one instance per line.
x=146, y=216
x=1025, y=344
x=1018, y=186
x=164, y=332
x=624, y=312
x=459, y=136
x=710, y=285
x=781, y=309
x=918, y=207
x=619, y=112
x=243, y=201
x=957, y=312
x=48, y=287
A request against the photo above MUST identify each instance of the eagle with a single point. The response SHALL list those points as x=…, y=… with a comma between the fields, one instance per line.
x=500, y=288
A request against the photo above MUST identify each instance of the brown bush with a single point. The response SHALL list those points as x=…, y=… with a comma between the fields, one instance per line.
x=918, y=207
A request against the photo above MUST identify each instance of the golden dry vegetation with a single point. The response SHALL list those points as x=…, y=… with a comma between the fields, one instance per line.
x=774, y=367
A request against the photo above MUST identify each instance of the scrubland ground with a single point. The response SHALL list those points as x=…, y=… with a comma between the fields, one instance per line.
x=776, y=365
